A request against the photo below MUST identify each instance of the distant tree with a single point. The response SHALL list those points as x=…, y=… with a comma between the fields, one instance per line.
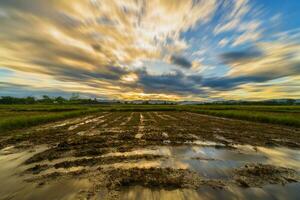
x=30, y=100
x=60, y=100
x=46, y=99
x=7, y=100
x=15, y=100
x=290, y=101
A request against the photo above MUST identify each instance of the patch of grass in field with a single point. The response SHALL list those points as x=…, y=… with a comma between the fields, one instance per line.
x=23, y=120
x=41, y=108
x=283, y=115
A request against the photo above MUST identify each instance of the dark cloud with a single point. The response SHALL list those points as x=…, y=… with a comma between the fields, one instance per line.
x=243, y=55
x=68, y=73
x=181, y=61
x=175, y=82
x=179, y=83
x=228, y=83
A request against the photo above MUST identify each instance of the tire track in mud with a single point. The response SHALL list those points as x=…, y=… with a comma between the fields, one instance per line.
x=70, y=122
x=185, y=120
x=166, y=116
x=160, y=116
x=88, y=128
x=104, y=124
x=64, y=123
x=118, y=119
x=176, y=128
x=206, y=126
x=167, y=120
x=170, y=117
x=109, y=124
x=148, y=120
x=114, y=126
x=162, y=122
x=140, y=132
x=88, y=121
x=195, y=117
x=152, y=129
x=208, y=123
x=224, y=130
x=107, y=121
x=134, y=121
x=127, y=120
x=151, y=117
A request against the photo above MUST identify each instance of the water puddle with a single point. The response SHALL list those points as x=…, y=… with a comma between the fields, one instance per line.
x=270, y=192
x=208, y=161
x=214, y=163
x=211, y=162
x=284, y=157
x=198, y=156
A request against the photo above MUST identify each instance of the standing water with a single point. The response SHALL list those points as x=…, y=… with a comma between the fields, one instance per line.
x=205, y=159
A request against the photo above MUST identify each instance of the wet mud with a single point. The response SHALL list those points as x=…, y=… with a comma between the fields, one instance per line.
x=118, y=155
x=256, y=175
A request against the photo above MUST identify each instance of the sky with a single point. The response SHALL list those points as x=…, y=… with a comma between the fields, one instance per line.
x=198, y=50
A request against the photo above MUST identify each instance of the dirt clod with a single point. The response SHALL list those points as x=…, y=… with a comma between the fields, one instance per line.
x=257, y=175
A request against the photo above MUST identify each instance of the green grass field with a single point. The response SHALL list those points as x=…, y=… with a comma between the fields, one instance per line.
x=22, y=116
x=283, y=115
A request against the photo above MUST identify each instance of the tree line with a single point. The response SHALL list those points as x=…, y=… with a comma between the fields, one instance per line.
x=46, y=100
x=75, y=99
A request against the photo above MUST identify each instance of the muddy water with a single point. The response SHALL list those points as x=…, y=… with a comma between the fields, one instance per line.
x=218, y=164
x=204, y=158
x=211, y=162
x=14, y=186
x=270, y=192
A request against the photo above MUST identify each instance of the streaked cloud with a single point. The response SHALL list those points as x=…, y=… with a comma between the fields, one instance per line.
x=181, y=61
x=167, y=49
x=241, y=56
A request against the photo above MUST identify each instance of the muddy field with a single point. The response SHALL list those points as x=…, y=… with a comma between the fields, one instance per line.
x=151, y=155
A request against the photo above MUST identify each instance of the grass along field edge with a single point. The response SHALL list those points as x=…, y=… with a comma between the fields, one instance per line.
x=252, y=116
x=27, y=121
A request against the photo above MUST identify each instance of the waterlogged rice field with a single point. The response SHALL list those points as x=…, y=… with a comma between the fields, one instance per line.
x=151, y=155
